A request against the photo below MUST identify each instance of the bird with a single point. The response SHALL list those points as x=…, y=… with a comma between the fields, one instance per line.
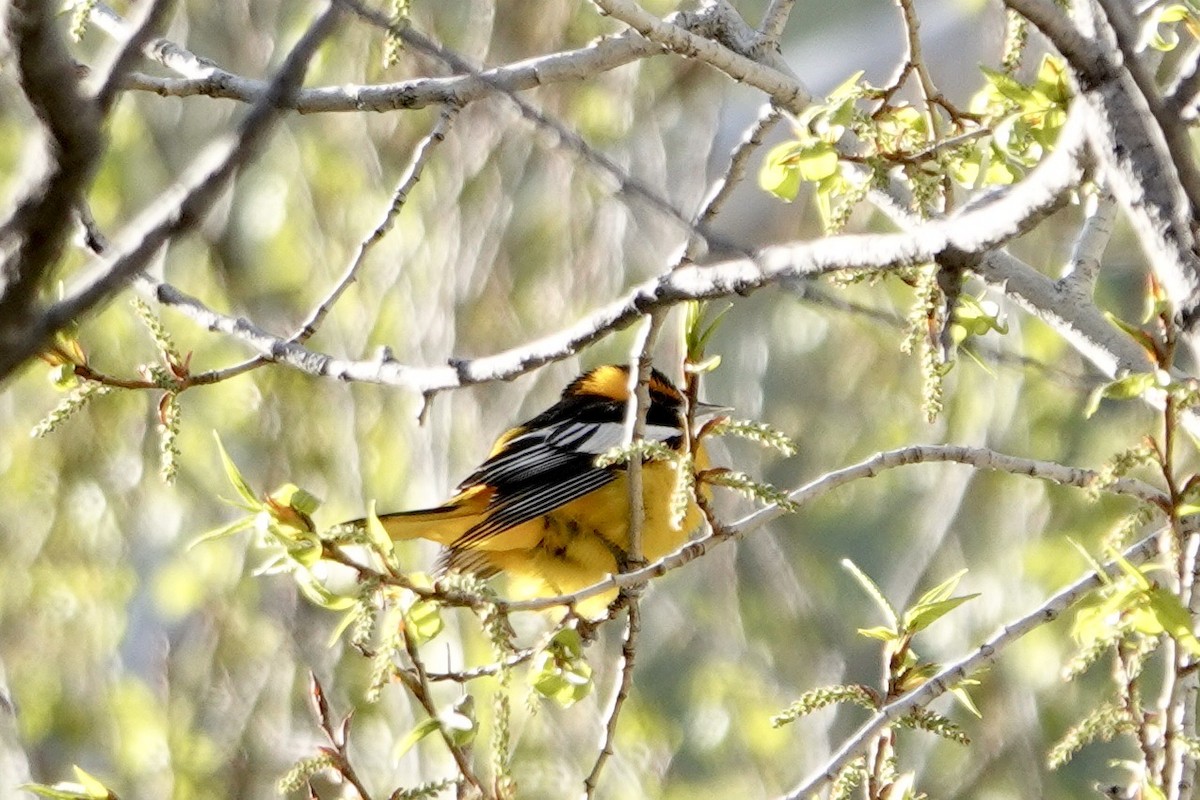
x=541, y=511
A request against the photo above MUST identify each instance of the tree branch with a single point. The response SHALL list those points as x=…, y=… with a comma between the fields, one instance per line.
x=1148, y=175
x=978, y=457
x=960, y=239
x=153, y=18
x=32, y=239
x=953, y=674
x=180, y=210
x=674, y=34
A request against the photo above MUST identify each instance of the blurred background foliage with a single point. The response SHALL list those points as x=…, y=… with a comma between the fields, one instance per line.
x=171, y=671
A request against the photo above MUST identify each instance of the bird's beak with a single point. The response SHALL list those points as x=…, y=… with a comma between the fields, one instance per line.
x=709, y=410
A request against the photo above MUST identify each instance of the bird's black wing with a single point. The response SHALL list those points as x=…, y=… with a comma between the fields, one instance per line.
x=540, y=470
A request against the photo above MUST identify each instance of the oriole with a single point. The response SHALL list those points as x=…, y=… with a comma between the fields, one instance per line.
x=542, y=512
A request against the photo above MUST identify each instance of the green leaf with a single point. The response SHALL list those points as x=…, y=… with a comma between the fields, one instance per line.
x=63, y=377
x=381, y=543
x=829, y=190
x=459, y=721
x=978, y=316
x=1131, y=571
x=85, y=787
x=1166, y=40
x=1092, y=563
x=777, y=177
x=1128, y=387
x=964, y=699
x=817, y=162
x=318, y=593
x=559, y=671
x=921, y=616
x=1151, y=792
x=237, y=526
x=235, y=476
x=1169, y=612
x=1008, y=86
x=848, y=88
x=881, y=632
x=423, y=620
x=943, y=590
x=789, y=164
x=420, y=731
x=1137, y=334
x=1051, y=83
x=874, y=592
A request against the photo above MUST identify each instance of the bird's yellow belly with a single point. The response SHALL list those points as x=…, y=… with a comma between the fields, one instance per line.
x=585, y=540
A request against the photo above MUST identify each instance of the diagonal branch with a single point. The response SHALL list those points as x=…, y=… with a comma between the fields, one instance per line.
x=978, y=457
x=1148, y=169
x=953, y=674
x=786, y=90
x=153, y=17
x=181, y=210
x=32, y=239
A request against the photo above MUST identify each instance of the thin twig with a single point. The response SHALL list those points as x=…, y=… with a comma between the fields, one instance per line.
x=567, y=138
x=721, y=188
x=953, y=674
x=412, y=174
x=416, y=681
x=633, y=626
x=635, y=431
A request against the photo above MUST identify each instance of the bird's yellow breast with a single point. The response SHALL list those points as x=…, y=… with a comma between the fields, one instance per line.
x=584, y=541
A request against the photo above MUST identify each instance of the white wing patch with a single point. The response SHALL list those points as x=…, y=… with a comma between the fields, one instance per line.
x=608, y=435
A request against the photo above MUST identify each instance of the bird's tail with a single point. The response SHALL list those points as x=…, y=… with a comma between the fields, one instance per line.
x=443, y=525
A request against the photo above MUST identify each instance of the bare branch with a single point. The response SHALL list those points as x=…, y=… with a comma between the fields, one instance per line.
x=723, y=187
x=170, y=55
x=775, y=19
x=32, y=239
x=416, y=166
x=636, y=408
x=978, y=457
x=567, y=138
x=571, y=65
x=960, y=239
x=1058, y=304
x=633, y=626
x=785, y=90
x=183, y=207
x=953, y=674
x=153, y=18
x=1084, y=267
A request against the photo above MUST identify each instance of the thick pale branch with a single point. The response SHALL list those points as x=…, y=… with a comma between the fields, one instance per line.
x=1151, y=172
x=784, y=89
x=1084, y=266
x=1058, y=304
x=571, y=65
x=775, y=20
x=961, y=239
